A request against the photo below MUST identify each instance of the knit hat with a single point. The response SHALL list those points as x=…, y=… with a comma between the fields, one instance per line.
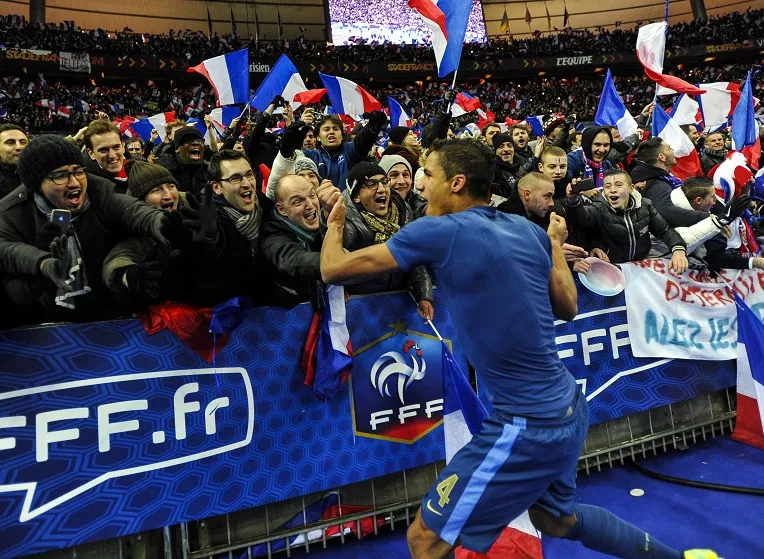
x=143, y=176
x=305, y=164
x=389, y=161
x=185, y=132
x=500, y=138
x=398, y=134
x=360, y=173
x=45, y=154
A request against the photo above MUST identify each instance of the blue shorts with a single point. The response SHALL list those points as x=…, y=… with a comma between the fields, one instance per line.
x=511, y=465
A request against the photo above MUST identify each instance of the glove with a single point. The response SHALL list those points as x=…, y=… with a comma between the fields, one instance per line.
x=46, y=235
x=377, y=121
x=293, y=137
x=56, y=268
x=202, y=220
x=734, y=209
x=278, y=101
x=450, y=96
x=144, y=278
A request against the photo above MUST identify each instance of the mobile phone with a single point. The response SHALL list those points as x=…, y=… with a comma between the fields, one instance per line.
x=61, y=218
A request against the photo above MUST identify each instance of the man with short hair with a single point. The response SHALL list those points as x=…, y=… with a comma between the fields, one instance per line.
x=13, y=140
x=521, y=136
x=692, y=133
x=187, y=163
x=655, y=160
x=489, y=131
x=134, y=148
x=291, y=242
x=526, y=455
x=533, y=199
x=106, y=153
x=509, y=166
x=714, y=151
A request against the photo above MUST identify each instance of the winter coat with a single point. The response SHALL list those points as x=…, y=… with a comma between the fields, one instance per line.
x=334, y=165
x=624, y=233
x=710, y=159
x=696, y=235
x=295, y=268
x=658, y=191
x=396, y=149
x=416, y=203
x=514, y=205
x=109, y=219
x=92, y=167
x=9, y=178
x=191, y=178
x=577, y=157
x=358, y=235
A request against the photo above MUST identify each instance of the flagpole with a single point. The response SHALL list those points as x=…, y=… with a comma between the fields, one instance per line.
x=428, y=321
x=453, y=83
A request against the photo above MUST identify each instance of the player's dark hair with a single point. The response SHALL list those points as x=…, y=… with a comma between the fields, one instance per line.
x=471, y=158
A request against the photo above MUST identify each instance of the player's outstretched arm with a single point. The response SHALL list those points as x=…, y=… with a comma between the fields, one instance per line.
x=562, y=289
x=339, y=267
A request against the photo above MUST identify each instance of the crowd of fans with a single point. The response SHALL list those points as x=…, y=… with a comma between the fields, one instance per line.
x=15, y=32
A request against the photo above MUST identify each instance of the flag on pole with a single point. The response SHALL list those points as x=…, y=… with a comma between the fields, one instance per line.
x=686, y=110
x=284, y=80
x=464, y=103
x=528, y=17
x=750, y=376
x=64, y=112
x=447, y=21
x=398, y=116
x=463, y=416
x=233, y=23
x=565, y=16
x=718, y=103
x=687, y=160
x=504, y=27
x=745, y=129
x=310, y=96
x=651, y=45
x=228, y=75
x=548, y=17
x=158, y=122
x=348, y=97
x=209, y=22
x=611, y=110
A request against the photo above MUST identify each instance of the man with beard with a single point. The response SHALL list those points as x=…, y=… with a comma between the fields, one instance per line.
x=490, y=129
x=521, y=136
x=291, y=242
x=375, y=214
x=106, y=153
x=654, y=162
x=403, y=142
x=187, y=163
x=13, y=140
x=590, y=162
x=401, y=178
x=510, y=168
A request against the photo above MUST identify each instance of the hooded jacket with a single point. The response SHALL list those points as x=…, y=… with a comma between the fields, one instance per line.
x=577, y=158
x=358, y=235
x=658, y=191
x=625, y=233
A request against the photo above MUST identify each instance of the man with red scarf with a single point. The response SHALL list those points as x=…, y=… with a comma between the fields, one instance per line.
x=106, y=153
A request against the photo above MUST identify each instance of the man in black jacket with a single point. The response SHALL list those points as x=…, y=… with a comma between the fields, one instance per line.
x=187, y=164
x=654, y=163
x=510, y=168
x=714, y=151
x=106, y=153
x=61, y=266
x=13, y=140
x=291, y=242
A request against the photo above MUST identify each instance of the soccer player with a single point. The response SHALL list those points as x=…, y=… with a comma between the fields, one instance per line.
x=526, y=454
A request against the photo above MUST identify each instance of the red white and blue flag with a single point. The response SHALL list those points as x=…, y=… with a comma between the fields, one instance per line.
x=347, y=97
x=284, y=80
x=398, y=116
x=228, y=75
x=750, y=376
x=447, y=21
x=464, y=103
x=463, y=416
x=686, y=110
x=328, y=355
x=651, y=46
x=745, y=128
x=687, y=158
x=158, y=122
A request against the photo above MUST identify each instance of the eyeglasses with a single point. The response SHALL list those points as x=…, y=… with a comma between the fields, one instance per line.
x=373, y=184
x=62, y=177
x=238, y=179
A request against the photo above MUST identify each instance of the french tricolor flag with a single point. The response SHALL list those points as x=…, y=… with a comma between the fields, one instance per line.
x=398, y=116
x=82, y=106
x=745, y=129
x=328, y=355
x=612, y=112
x=463, y=416
x=686, y=110
x=687, y=159
x=229, y=76
x=65, y=112
x=348, y=98
x=651, y=45
x=750, y=376
x=464, y=103
x=284, y=80
x=718, y=103
x=156, y=122
x=447, y=21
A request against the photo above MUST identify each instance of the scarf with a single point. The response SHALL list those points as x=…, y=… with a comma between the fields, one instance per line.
x=248, y=225
x=77, y=277
x=305, y=237
x=720, y=153
x=382, y=227
x=590, y=166
x=672, y=180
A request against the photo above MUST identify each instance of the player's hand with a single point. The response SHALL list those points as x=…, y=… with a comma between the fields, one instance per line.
x=425, y=310
x=327, y=195
x=337, y=215
x=557, y=230
x=679, y=263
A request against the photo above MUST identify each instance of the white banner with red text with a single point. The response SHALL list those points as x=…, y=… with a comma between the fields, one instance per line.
x=691, y=316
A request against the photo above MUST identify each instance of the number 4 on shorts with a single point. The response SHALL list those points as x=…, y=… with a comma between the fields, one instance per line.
x=444, y=489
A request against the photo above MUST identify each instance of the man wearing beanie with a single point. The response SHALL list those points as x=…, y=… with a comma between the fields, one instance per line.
x=62, y=268
x=374, y=214
x=187, y=163
x=153, y=184
x=509, y=167
x=401, y=177
x=403, y=142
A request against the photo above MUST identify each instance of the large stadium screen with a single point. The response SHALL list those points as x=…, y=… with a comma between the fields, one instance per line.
x=358, y=21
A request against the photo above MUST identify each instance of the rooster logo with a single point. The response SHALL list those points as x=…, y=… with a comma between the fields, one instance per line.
x=393, y=363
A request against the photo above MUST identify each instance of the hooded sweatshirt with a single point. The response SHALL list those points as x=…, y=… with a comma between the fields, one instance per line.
x=580, y=161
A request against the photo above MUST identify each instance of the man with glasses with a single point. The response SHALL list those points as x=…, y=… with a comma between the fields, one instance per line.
x=56, y=257
x=226, y=230
x=187, y=164
x=375, y=213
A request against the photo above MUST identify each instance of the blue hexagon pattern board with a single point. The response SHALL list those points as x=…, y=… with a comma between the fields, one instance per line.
x=106, y=431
